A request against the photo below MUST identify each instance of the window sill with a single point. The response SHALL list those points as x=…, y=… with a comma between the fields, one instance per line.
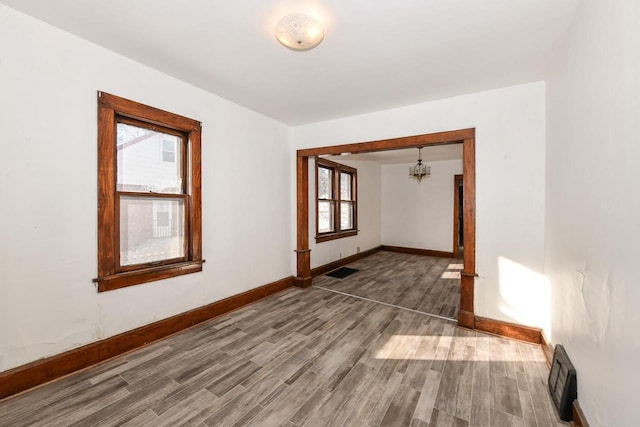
x=130, y=278
x=333, y=236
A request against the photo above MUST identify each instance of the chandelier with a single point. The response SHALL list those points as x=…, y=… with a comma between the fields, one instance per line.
x=419, y=170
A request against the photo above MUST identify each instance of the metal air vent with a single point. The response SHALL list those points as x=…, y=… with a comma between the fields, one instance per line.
x=563, y=384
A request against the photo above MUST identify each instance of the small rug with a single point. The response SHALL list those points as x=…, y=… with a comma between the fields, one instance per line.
x=343, y=272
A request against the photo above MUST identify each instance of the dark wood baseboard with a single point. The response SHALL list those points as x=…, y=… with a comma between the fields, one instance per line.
x=414, y=251
x=27, y=376
x=319, y=271
x=579, y=420
x=302, y=282
x=466, y=319
x=547, y=349
x=509, y=330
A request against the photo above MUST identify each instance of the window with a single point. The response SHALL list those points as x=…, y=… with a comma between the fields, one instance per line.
x=149, y=207
x=168, y=151
x=336, y=207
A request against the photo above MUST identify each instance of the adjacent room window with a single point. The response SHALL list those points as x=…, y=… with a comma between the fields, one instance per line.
x=168, y=151
x=336, y=206
x=149, y=195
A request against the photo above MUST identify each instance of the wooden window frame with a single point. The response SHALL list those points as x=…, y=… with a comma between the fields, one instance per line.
x=111, y=275
x=337, y=169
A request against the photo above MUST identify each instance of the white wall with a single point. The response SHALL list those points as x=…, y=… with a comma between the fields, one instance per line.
x=48, y=207
x=510, y=144
x=369, y=215
x=419, y=215
x=592, y=206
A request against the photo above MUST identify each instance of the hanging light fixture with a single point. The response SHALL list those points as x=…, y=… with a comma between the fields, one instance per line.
x=419, y=170
x=299, y=32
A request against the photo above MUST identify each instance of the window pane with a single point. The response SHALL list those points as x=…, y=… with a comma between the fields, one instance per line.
x=346, y=215
x=148, y=160
x=324, y=183
x=345, y=186
x=151, y=229
x=325, y=217
x=168, y=151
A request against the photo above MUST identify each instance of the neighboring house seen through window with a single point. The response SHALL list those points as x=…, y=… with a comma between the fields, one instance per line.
x=149, y=207
x=336, y=206
x=168, y=151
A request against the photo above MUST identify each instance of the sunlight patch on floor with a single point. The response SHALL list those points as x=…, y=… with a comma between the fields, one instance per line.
x=452, y=272
x=428, y=347
x=450, y=275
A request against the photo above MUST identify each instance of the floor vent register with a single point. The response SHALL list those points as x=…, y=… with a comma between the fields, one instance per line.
x=563, y=384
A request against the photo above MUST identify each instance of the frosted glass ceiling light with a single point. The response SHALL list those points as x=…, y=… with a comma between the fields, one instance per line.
x=419, y=170
x=299, y=32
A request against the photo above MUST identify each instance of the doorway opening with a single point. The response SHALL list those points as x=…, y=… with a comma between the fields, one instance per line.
x=458, y=218
x=464, y=136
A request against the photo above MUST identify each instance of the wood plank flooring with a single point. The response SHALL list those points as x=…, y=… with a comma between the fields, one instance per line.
x=305, y=358
x=426, y=284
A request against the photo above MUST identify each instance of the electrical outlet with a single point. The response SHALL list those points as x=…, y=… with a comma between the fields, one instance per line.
x=358, y=250
x=340, y=255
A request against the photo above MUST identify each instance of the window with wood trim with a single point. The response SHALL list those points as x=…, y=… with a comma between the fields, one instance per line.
x=149, y=194
x=336, y=204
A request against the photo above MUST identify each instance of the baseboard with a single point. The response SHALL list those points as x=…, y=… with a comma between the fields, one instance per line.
x=27, y=376
x=466, y=319
x=547, y=349
x=579, y=420
x=319, y=271
x=509, y=330
x=414, y=251
x=302, y=282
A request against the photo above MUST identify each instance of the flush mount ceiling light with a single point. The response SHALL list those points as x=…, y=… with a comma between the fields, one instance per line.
x=299, y=32
x=419, y=170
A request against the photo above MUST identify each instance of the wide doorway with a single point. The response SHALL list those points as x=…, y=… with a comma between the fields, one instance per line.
x=465, y=315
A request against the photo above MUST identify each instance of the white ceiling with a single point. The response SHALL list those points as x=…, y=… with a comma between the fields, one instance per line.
x=376, y=54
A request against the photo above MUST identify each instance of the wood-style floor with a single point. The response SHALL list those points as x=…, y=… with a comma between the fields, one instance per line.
x=427, y=284
x=305, y=357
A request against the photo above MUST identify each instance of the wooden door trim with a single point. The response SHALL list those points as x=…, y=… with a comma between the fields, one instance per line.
x=303, y=253
x=464, y=136
x=456, y=212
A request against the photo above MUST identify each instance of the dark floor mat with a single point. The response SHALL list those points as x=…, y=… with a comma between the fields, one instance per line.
x=343, y=272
